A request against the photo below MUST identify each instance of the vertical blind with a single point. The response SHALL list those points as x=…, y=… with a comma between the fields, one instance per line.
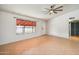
x=25, y=22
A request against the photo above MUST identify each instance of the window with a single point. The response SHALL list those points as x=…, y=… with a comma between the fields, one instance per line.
x=19, y=29
x=33, y=29
x=28, y=29
x=25, y=26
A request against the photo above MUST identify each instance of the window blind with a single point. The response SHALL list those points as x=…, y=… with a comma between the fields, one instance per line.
x=25, y=22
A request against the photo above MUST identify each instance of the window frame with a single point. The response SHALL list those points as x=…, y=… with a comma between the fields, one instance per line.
x=33, y=28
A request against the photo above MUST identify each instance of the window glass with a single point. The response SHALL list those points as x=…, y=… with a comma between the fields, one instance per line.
x=28, y=29
x=34, y=29
x=19, y=29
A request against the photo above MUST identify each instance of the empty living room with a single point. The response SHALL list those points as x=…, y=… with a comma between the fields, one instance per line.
x=39, y=29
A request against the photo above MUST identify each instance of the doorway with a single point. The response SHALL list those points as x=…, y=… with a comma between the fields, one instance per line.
x=74, y=30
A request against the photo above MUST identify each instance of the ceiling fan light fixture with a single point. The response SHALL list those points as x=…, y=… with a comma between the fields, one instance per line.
x=53, y=10
x=50, y=12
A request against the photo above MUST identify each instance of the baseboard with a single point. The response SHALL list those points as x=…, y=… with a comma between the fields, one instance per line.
x=57, y=36
x=22, y=39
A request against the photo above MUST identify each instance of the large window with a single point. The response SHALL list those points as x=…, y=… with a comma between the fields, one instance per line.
x=25, y=26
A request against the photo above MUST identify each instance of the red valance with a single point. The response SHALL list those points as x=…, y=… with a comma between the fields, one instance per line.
x=25, y=22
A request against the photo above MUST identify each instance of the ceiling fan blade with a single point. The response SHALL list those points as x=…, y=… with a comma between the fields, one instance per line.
x=59, y=10
x=58, y=7
x=45, y=12
x=55, y=12
x=46, y=8
x=52, y=6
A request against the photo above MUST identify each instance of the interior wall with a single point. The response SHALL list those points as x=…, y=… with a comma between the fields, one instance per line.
x=8, y=28
x=59, y=26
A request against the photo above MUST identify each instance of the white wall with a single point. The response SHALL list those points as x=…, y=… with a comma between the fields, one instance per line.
x=8, y=28
x=59, y=26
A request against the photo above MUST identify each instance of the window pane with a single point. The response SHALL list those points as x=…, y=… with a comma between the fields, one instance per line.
x=34, y=29
x=19, y=29
x=28, y=29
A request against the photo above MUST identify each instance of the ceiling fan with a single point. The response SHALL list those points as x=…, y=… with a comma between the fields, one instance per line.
x=53, y=9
